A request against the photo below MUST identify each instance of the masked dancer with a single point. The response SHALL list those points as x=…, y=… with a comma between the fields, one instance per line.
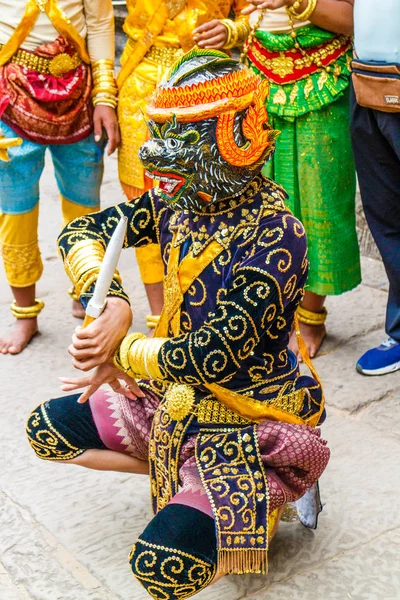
x=220, y=415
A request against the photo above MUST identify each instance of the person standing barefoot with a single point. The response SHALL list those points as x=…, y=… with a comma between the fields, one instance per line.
x=303, y=48
x=49, y=54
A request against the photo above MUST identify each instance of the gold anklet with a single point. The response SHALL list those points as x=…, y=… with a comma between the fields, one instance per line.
x=27, y=312
x=152, y=321
x=309, y=317
x=73, y=294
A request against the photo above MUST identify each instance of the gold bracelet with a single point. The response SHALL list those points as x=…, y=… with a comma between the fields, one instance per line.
x=103, y=64
x=27, y=312
x=243, y=30
x=105, y=89
x=151, y=365
x=103, y=102
x=152, y=321
x=309, y=317
x=232, y=34
x=307, y=12
x=121, y=356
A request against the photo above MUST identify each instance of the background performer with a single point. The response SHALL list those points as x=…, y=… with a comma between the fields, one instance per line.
x=159, y=33
x=303, y=48
x=50, y=52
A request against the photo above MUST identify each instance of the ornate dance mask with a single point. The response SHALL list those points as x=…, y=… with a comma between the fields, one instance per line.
x=209, y=130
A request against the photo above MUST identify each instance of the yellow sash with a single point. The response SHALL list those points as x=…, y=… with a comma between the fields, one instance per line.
x=152, y=29
x=58, y=19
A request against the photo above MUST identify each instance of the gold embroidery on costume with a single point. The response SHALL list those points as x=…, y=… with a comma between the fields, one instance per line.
x=22, y=263
x=158, y=569
x=166, y=439
x=45, y=440
x=233, y=475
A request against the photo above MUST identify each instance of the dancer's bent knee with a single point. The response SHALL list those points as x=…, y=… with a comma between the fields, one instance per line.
x=62, y=429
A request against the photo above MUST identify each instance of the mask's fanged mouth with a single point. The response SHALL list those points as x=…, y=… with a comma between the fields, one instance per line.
x=169, y=184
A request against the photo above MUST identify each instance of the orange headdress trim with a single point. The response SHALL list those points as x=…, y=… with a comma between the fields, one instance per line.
x=222, y=97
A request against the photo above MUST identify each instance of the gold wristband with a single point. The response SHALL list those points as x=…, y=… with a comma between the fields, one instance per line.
x=138, y=356
x=121, y=357
x=83, y=262
x=232, y=34
x=307, y=12
x=309, y=317
x=104, y=102
x=27, y=312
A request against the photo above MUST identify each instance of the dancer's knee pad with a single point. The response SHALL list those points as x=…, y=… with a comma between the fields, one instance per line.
x=61, y=429
x=176, y=555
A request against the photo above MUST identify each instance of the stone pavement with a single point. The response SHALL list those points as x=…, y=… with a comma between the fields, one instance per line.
x=65, y=533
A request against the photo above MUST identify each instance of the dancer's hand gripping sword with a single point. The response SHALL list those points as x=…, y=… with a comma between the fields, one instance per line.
x=98, y=301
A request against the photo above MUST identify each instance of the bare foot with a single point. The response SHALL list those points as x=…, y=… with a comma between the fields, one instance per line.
x=313, y=336
x=19, y=337
x=77, y=310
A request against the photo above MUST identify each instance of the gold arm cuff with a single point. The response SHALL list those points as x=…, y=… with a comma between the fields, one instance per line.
x=309, y=317
x=138, y=356
x=152, y=321
x=307, y=12
x=121, y=356
x=27, y=312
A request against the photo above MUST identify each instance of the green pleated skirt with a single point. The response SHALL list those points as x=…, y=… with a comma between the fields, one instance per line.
x=314, y=163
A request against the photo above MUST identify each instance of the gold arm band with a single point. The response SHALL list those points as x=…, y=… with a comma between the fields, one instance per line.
x=83, y=263
x=309, y=317
x=103, y=102
x=104, y=83
x=307, y=12
x=138, y=356
x=152, y=321
x=27, y=312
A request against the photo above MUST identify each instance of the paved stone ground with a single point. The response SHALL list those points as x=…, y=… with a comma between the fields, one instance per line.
x=66, y=532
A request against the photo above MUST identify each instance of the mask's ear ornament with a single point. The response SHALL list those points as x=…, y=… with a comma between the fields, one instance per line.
x=261, y=139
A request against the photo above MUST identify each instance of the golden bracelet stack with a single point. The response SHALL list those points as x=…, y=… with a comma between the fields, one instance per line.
x=307, y=12
x=309, y=317
x=105, y=91
x=137, y=356
x=237, y=32
x=82, y=265
x=27, y=312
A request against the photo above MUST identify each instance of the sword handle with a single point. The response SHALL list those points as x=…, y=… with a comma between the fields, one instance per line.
x=87, y=320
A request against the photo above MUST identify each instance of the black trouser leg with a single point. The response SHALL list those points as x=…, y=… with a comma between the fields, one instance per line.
x=376, y=145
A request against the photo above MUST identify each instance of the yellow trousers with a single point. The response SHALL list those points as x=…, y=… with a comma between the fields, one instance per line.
x=133, y=97
x=19, y=242
x=148, y=257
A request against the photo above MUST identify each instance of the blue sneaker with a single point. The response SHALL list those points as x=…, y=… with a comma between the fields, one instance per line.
x=380, y=360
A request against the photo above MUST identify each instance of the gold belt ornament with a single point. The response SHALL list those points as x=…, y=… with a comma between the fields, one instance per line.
x=180, y=402
x=161, y=56
x=57, y=66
